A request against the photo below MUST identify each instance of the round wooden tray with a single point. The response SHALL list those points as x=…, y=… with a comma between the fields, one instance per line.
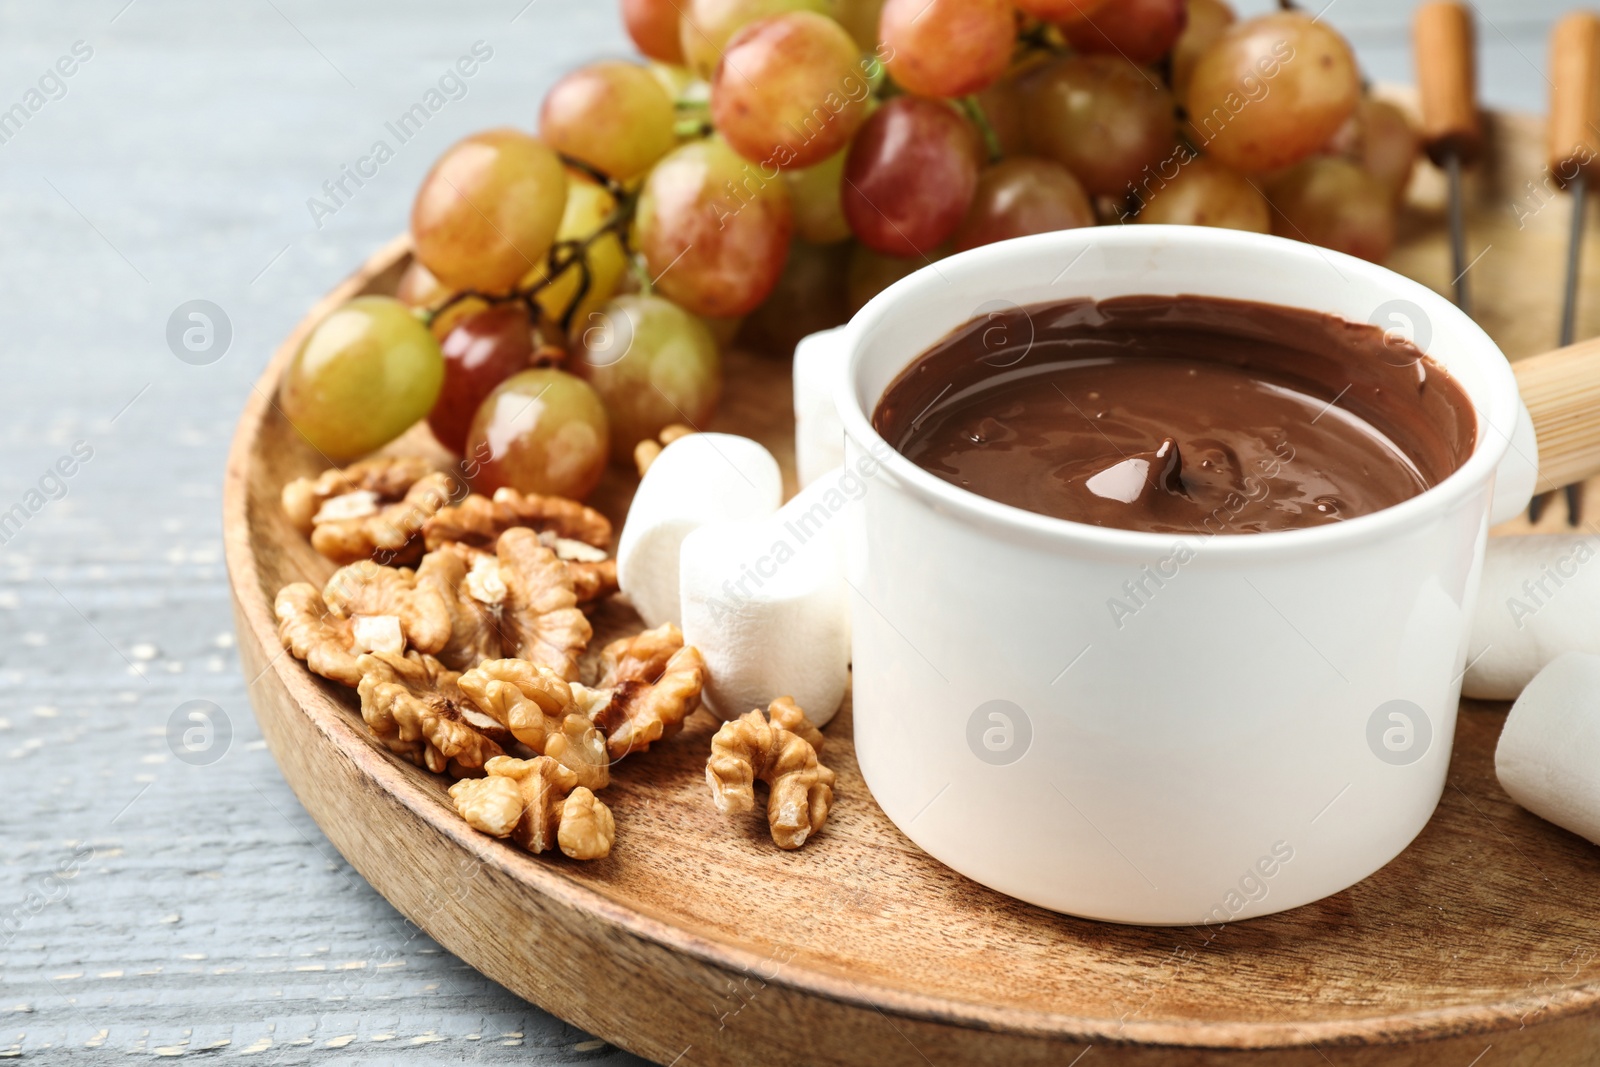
x=698, y=942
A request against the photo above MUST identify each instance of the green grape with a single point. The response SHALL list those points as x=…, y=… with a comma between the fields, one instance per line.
x=1206, y=193
x=708, y=25
x=723, y=331
x=1271, y=91
x=1020, y=196
x=1334, y=203
x=814, y=197
x=653, y=364
x=1207, y=21
x=589, y=207
x=809, y=297
x=612, y=115
x=488, y=210
x=364, y=376
x=540, y=431
x=791, y=90
x=714, y=229
x=1382, y=140
x=860, y=18
x=948, y=47
x=655, y=28
x=1102, y=118
x=680, y=83
x=870, y=272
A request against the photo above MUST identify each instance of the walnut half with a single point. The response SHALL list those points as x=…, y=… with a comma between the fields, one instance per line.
x=479, y=520
x=541, y=710
x=651, y=683
x=325, y=641
x=372, y=482
x=752, y=748
x=410, y=702
x=388, y=533
x=539, y=805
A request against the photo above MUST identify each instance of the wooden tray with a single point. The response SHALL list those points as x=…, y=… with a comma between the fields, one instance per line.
x=698, y=942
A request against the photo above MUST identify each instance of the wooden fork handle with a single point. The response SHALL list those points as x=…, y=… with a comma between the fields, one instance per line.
x=1562, y=391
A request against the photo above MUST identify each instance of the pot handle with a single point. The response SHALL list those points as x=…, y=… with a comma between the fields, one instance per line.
x=819, y=363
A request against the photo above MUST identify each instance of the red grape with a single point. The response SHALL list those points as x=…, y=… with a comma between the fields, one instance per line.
x=1207, y=20
x=790, y=90
x=1101, y=117
x=1140, y=31
x=1019, y=196
x=910, y=176
x=612, y=115
x=948, y=47
x=1205, y=193
x=1003, y=109
x=489, y=210
x=810, y=297
x=1060, y=10
x=482, y=351
x=714, y=229
x=1334, y=203
x=871, y=272
x=1271, y=92
x=654, y=27
x=540, y=431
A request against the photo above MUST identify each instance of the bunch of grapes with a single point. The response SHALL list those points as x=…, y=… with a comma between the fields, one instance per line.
x=773, y=164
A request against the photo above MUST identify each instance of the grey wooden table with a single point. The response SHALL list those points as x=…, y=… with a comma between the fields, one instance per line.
x=148, y=905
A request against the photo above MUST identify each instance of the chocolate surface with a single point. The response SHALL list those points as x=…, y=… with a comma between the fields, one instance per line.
x=1180, y=414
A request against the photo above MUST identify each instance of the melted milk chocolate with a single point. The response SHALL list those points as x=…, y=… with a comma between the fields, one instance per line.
x=1180, y=414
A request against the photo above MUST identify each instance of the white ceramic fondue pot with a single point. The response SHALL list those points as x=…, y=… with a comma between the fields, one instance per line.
x=1148, y=728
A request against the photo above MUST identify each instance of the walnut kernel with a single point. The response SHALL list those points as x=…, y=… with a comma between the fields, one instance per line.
x=537, y=819
x=479, y=520
x=392, y=534
x=316, y=635
x=410, y=703
x=384, y=479
x=366, y=588
x=752, y=748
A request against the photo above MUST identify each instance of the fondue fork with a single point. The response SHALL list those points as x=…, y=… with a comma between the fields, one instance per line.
x=1451, y=128
x=1573, y=148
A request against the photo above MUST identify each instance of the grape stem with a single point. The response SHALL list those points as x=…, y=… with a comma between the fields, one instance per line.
x=562, y=257
x=991, y=140
x=1037, y=38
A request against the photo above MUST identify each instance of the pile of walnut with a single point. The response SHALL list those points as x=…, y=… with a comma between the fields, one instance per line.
x=469, y=664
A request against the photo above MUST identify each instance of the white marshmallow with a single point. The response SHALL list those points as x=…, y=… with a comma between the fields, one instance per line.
x=766, y=604
x=818, y=434
x=1540, y=597
x=1548, y=758
x=699, y=479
